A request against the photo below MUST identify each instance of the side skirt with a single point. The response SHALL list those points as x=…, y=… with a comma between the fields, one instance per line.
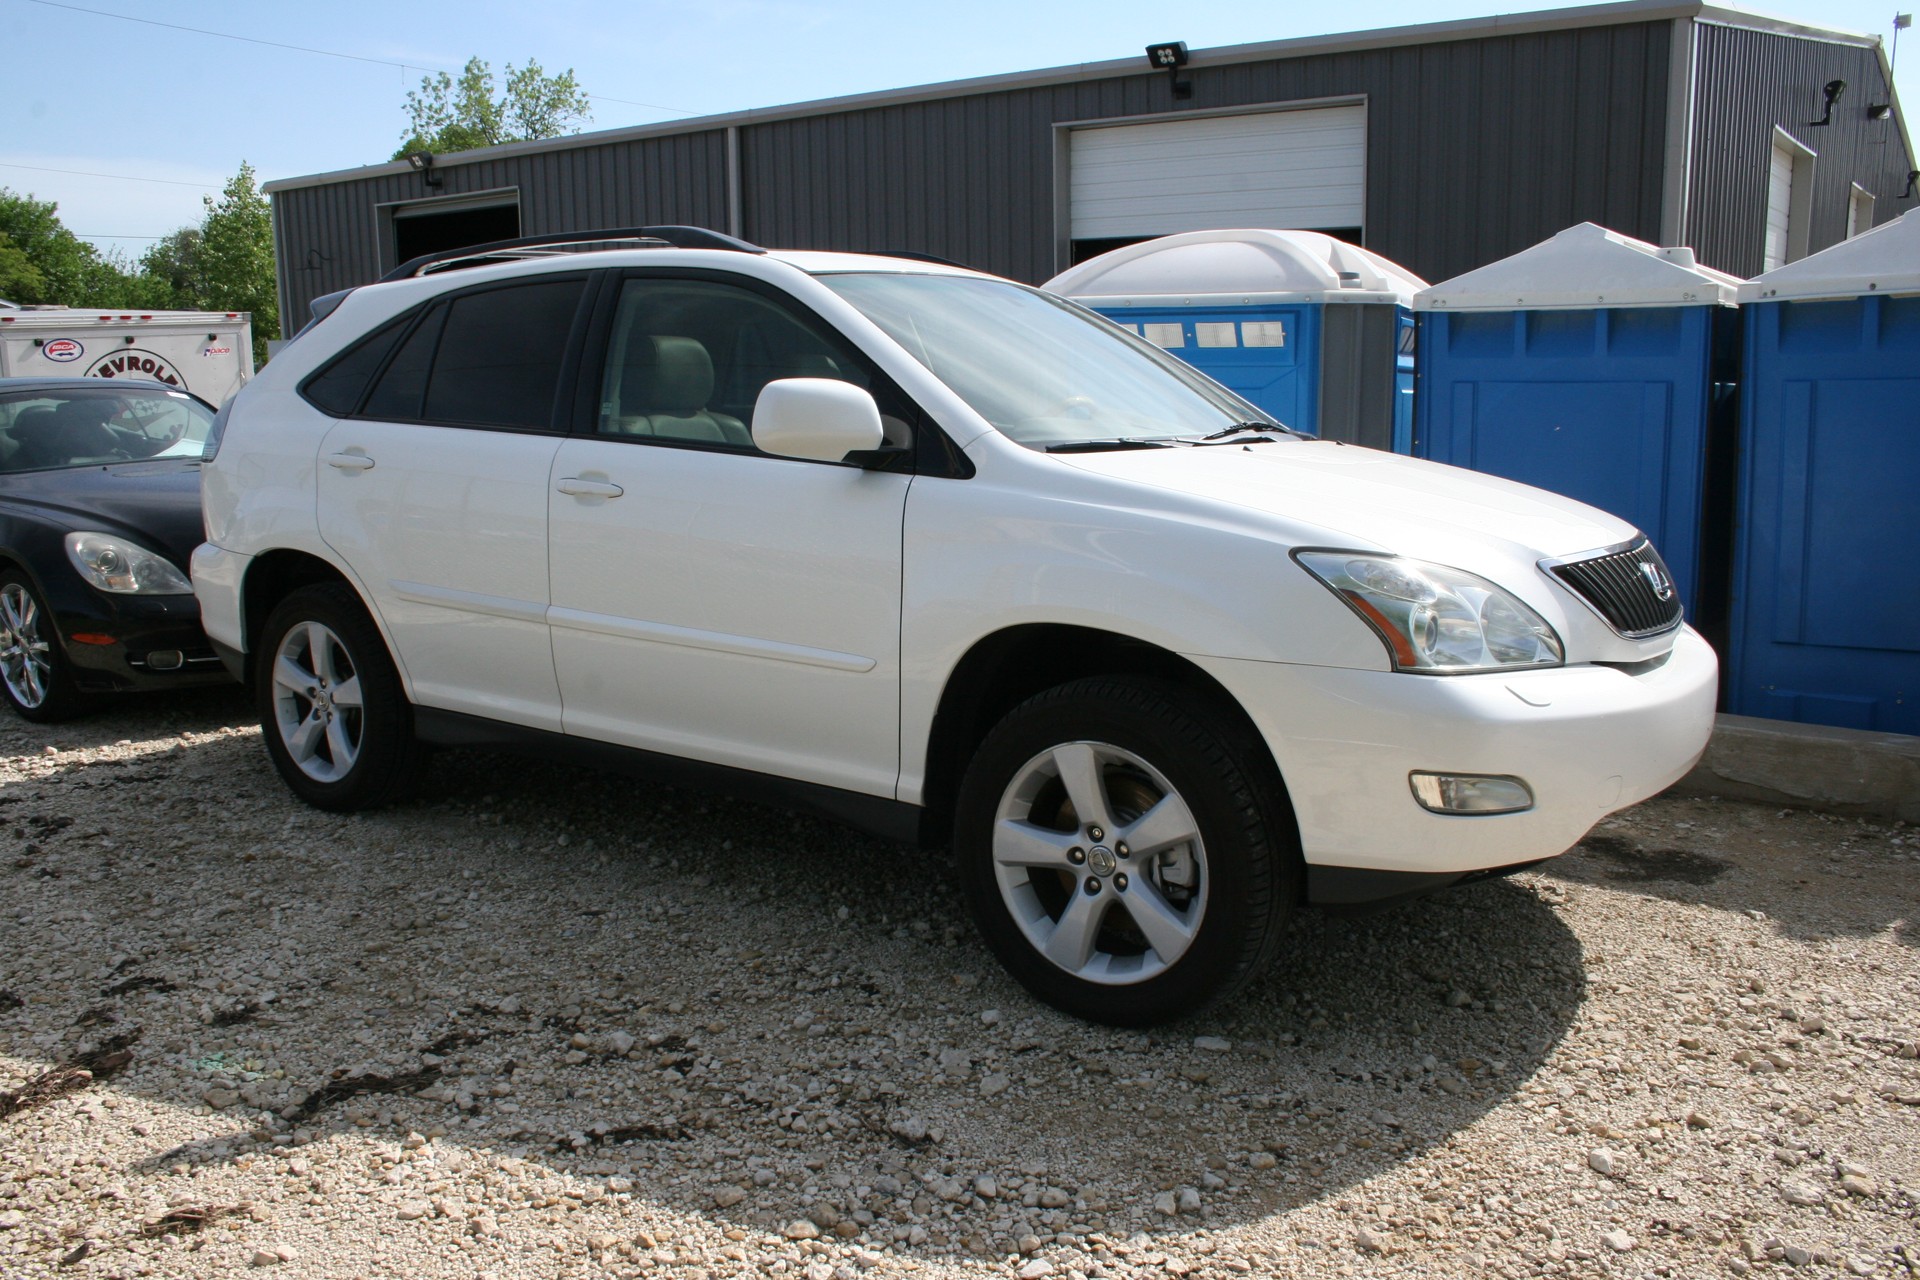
x=888, y=819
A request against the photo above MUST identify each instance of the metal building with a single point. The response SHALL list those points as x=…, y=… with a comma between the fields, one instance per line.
x=1442, y=146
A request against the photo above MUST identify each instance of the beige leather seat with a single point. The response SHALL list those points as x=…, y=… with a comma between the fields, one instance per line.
x=664, y=388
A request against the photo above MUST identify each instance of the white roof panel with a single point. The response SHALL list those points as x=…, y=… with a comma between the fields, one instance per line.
x=1246, y=264
x=1583, y=266
x=1883, y=260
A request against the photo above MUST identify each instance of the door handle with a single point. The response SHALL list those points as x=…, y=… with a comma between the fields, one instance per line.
x=578, y=488
x=350, y=462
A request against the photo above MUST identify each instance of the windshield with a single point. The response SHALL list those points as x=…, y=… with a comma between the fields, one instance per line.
x=87, y=426
x=1043, y=370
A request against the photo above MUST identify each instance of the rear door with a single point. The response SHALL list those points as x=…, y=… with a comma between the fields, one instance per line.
x=435, y=493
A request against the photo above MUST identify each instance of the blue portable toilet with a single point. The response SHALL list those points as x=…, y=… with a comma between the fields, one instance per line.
x=1601, y=367
x=1826, y=601
x=1315, y=331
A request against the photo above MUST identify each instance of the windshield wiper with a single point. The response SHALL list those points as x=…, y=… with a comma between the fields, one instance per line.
x=1239, y=428
x=1101, y=446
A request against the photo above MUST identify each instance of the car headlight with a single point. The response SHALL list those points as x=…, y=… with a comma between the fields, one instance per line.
x=1434, y=619
x=124, y=568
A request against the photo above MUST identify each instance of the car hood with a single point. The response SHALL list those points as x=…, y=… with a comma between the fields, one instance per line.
x=156, y=503
x=1346, y=495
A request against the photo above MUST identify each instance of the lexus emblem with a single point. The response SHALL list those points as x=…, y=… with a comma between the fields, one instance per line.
x=1657, y=578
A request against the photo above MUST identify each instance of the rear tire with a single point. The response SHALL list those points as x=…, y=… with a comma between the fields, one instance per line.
x=334, y=714
x=34, y=672
x=1126, y=851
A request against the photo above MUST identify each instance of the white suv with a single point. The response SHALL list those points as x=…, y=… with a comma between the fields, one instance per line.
x=946, y=557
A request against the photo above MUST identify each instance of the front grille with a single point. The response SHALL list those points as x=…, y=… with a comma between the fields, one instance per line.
x=1624, y=587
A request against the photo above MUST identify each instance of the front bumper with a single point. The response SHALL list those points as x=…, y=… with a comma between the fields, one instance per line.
x=1587, y=739
x=156, y=642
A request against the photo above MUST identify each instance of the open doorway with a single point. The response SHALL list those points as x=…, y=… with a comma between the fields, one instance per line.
x=438, y=225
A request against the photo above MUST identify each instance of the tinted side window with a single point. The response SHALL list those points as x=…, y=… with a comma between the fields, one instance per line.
x=397, y=394
x=500, y=355
x=688, y=358
x=337, y=389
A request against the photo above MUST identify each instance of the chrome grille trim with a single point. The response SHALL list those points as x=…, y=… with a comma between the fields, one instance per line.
x=1618, y=583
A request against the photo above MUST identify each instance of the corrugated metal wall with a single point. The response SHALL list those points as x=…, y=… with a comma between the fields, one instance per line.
x=331, y=236
x=1477, y=149
x=1747, y=83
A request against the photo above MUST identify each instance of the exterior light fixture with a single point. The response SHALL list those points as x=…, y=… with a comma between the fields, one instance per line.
x=1913, y=176
x=1170, y=57
x=1879, y=111
x=1835, y=90
x=422, y=163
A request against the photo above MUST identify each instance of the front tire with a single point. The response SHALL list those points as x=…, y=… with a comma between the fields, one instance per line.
x=34, y=672
x=1126, y=851
x=334, y=714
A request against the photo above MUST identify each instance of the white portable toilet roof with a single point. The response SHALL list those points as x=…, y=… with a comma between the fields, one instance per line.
x=1238, y=267
x=1883, y=260
x=1583, y=266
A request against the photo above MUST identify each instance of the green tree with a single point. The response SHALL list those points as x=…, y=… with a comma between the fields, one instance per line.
x=61, y=267
x=446, y=115
x=19, y=278
x=170, y=272
x=234, y=257
x=224, y=264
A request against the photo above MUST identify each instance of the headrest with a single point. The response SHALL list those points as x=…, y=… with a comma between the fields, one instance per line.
x=88, y=411
x=32, y=422
x=666, y=375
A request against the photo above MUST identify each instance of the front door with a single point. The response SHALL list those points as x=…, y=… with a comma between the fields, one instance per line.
x=711, y=601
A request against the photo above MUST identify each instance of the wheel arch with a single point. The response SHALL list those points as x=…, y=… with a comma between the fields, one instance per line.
x=1009, y=666
x=270, y=578
x=12, y=561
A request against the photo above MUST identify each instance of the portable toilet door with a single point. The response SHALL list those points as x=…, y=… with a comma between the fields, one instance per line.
x=1304, y=326
x=1600, y=367
x=1826, y=602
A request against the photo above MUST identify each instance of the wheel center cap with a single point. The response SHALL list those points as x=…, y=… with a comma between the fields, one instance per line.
x=1101, y=860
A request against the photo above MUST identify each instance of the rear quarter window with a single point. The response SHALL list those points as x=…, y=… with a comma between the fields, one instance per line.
x=338, y=387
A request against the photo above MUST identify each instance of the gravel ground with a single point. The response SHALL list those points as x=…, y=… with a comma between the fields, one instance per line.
x=544, y=1023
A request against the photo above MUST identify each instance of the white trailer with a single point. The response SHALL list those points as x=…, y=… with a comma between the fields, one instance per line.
x=209, y=353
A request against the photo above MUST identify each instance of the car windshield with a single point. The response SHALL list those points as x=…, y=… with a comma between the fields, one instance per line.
x=86, y=426
x=1046, y=372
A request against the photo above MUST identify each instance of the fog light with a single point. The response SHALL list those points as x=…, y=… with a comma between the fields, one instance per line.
x=1470, y=793
x=166, y=660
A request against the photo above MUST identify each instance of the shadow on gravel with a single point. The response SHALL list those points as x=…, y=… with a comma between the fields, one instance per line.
x=1790, y=868
x=625, y=980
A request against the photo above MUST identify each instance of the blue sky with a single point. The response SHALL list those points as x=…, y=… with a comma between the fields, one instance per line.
x=93, y=95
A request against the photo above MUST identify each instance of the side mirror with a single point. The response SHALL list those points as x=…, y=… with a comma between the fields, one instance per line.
x=818, y=418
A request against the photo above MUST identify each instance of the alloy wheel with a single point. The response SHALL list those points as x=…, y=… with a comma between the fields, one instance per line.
x=26, y=662
x=1100, y=863
x=317, y=704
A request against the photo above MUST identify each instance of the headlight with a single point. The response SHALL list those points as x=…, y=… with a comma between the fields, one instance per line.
x=1434, y=619
x=124, y=568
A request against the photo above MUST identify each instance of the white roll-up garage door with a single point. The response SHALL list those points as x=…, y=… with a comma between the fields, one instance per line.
x=1779, y=207
x=1301, y=169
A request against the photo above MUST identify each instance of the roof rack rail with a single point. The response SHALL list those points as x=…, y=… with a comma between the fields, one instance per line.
x=666, y=237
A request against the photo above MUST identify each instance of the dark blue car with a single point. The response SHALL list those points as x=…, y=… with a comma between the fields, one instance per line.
x=99, y=512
